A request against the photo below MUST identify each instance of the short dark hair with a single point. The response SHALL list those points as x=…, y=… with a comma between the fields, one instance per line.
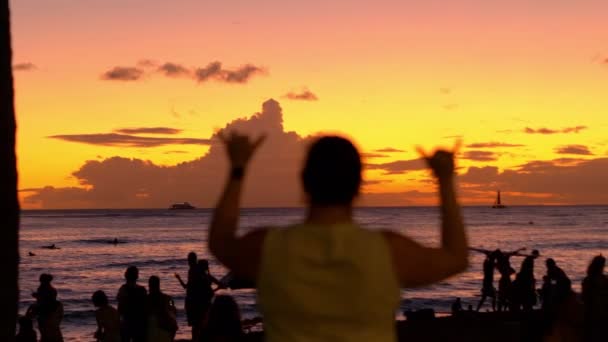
x=132, y=273
x=332, y=172
x=99, y=298
x=46, y=278
x=154, y=283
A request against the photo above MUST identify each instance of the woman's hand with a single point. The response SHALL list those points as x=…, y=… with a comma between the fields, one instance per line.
x=240, y=147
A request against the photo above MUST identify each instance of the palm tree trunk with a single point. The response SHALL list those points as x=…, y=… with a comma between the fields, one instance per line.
x=9, y=202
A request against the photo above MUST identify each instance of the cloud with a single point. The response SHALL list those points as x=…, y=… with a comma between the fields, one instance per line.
x=125, y=140
x=119, y=73
x=212, y=70
x=450, y=106
x=388, y=150
x=24, y=66
x=373, y=155
x=304, y=95
x=556, y=181
x=119, y=182
x=242, y=74
x=544, y=130
x=445, y=91
x=573, y=129
x=173, y=70
x=573, y=149
x=492, y=144
x=215, y=71
x=482, y=156
x=147, y=63
x=175, y=152
x=148, y=130
x=399, y=166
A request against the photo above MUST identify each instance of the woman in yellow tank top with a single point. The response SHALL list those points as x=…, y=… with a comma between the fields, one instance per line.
x=327, y=279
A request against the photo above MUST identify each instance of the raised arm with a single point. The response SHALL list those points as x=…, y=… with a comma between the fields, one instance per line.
x=516, y=252
x=417, y=265
x=241, y=255
x=480, y=250
x=181, y=282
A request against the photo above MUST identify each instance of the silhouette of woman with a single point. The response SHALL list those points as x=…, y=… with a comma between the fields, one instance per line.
x=327, y=271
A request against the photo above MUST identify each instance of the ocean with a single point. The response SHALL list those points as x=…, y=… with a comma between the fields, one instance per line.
x=157, y=241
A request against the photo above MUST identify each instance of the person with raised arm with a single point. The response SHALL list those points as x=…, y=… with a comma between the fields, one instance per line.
x=327, y=279
x=487, y=287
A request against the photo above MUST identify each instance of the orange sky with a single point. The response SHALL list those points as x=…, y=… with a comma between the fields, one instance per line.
x=388, y=73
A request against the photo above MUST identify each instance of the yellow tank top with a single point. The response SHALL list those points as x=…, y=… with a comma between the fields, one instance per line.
x=327, y=283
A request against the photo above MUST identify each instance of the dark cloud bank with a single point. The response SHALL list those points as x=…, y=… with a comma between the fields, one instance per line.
x=273, y=179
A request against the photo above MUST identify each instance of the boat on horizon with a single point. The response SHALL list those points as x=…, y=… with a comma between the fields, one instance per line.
x=181, y=206
x=497, y=203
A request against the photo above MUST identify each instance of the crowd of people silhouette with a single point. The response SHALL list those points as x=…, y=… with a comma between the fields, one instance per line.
x=143, y=315
x=325, y=279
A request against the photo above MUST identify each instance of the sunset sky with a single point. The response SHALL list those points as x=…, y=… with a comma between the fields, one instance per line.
x=524, y=84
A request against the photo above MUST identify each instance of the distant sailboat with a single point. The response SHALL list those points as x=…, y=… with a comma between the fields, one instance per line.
x=497, y=203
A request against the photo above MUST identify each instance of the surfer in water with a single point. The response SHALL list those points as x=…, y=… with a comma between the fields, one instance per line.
x=51, y=247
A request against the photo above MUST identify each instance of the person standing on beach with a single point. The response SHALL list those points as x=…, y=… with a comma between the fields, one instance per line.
x=48, y=310
x=132, y=307
x=328, y=279
x=108, y=319
x=503, y=264
x=487, y=287
x=523, y=295
x=193, y=307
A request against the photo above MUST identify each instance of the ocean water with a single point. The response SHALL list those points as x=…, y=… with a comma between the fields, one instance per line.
x=157, y=241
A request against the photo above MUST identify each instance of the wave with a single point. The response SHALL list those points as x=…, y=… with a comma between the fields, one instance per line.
x=150, y=262
x=108, y=241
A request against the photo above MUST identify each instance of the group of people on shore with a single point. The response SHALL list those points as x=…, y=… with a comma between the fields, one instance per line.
x=143, y=315
x=556, y=296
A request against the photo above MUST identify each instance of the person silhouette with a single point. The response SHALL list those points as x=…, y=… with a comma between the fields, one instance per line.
x=107, y=317
x=194, y=305
x=559, y=279
x=595, y=300
x=328, y=266
x=162, y=323
x=132, y=307
x=503, y=264
x=456, y=306
x=487, y=288
x=48, y=310
x=26, y=330
x=223, y=323
x=524, y=287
